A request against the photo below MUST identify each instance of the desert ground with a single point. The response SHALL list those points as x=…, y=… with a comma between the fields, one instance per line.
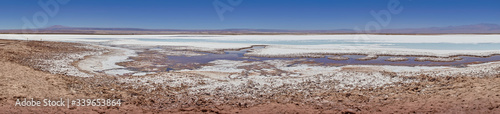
x=149, y=79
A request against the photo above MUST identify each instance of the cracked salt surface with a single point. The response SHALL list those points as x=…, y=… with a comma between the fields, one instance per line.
x=201, y=84
x=345, y=79
x=320, y=77
x=478, y=70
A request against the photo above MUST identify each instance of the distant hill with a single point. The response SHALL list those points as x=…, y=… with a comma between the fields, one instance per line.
x=59, y=29
x=477, y=28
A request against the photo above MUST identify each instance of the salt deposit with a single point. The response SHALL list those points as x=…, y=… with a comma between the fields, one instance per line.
x=338, y=58
x=395, y=59
x=438, y=59
x=107, y=61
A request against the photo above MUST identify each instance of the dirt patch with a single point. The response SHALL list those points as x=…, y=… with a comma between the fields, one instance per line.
x=19, y=81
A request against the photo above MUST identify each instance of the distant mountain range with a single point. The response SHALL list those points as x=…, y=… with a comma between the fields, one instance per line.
x=477, y=28
x=59, y=29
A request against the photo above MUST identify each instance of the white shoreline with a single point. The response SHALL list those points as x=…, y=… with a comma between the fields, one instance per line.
x=107, y=62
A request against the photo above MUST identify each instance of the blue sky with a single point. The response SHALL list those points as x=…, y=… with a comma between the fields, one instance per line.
x=253, y=14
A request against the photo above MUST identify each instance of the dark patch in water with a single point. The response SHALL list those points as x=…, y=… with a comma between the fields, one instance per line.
x=169, y=69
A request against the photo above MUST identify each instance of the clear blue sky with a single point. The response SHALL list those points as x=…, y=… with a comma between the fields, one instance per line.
x=254, y=14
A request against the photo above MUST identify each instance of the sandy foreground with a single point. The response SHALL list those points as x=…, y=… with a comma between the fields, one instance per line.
x=41, y=70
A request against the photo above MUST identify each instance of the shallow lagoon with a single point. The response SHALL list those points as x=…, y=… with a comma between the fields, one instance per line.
x=381, y=60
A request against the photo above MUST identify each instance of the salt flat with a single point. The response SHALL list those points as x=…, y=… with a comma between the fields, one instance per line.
x=227, y=41
x=282, y=45
x=452, y=38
